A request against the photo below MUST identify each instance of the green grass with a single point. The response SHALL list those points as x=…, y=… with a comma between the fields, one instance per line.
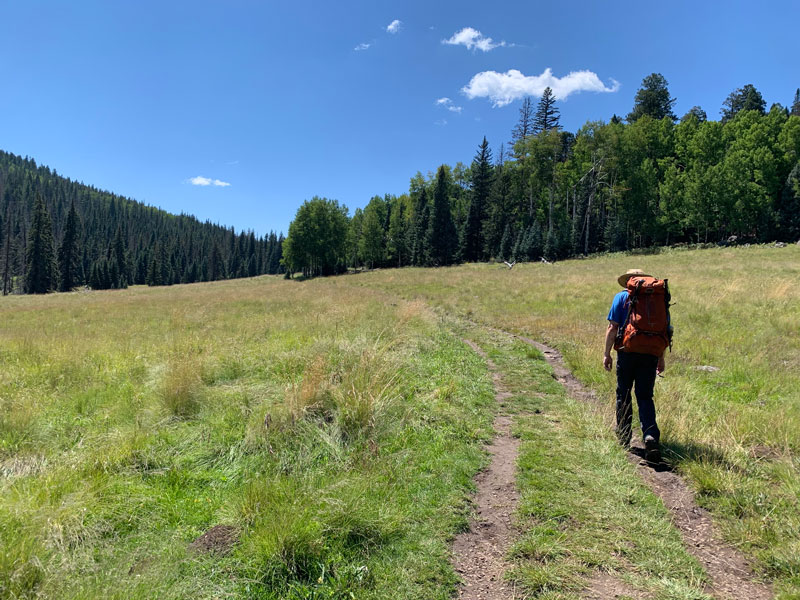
x=338, y=423
x=735, y=433
x=339, y=433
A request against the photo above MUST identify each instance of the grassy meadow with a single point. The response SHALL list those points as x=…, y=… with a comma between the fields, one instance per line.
x=337, y=433
x=335, y=426
x=734, y=432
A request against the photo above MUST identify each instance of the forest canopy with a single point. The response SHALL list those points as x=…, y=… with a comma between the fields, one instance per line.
x=610, y=186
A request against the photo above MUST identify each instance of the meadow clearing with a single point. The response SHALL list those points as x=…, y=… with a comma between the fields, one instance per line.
x=333, y=427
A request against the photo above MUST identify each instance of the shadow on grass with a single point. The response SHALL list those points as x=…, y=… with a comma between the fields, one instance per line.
x=676, y=452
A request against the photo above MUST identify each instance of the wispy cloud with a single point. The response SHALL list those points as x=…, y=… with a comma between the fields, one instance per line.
x=440, y=122
x=362, y=46
x=204, y=181
x=448, y=104
x=472, y=38
x=504, y=88
x=394, y=26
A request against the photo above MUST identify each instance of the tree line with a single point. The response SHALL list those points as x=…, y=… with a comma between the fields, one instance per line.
x=57, y=234
x=645, y=180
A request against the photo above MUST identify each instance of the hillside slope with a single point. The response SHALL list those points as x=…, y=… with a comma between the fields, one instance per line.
x=172, y=248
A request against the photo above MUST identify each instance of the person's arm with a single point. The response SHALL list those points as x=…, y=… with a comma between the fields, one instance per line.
x=661, y=364
x=611, y=335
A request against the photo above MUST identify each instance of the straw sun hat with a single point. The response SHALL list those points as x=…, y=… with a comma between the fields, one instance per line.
x=623, y=279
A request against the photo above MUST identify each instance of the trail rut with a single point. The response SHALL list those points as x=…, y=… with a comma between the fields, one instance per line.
x=479, y=554
x=731, y=577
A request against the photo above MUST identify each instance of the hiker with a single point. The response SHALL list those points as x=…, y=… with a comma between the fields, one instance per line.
x=639, y=329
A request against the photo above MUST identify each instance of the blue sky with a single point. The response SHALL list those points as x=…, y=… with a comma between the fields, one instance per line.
x=282, y=101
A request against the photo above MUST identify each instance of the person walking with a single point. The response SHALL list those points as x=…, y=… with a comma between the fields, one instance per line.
x=639, y=329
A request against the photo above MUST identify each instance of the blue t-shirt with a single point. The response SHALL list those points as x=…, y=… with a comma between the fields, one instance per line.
x=619, y=308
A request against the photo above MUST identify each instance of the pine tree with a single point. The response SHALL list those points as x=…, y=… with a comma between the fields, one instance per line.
x=8, y=251
x=482, y=175
x=517, y=249
x=499, y=210
x=119, y=262
x=547, y=113
x=216, y=266
x=279, y=267
x=398, y=233
x=501, y=155
x=535, y=243
x=274, y=259
x=696, y=113
x=441, y=239
x=114, y=276
x=419, y=226
x=165, y=265
x=524, y=126
x=154, y=268
x=69, y=253
x=744, y=98
x=41, y=275
x=653, y=99
x=795, y=111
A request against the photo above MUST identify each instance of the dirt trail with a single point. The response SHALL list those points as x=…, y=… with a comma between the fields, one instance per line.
x=479, y=554
x=730, y=574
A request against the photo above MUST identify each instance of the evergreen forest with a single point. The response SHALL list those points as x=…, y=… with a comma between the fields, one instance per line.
x=57, y=234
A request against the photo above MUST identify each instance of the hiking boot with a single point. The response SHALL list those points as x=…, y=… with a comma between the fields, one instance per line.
x=652, y=452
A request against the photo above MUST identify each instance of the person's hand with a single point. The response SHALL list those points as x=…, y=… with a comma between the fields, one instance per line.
x=608, y=362
x=661, y=365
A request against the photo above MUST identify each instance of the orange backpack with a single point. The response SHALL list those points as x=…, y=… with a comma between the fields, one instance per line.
x=647, y=326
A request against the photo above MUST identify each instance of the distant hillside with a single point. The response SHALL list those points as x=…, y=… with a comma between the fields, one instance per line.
x=152, y=246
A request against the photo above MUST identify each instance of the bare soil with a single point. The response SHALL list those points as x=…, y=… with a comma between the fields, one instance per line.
x=604, y=586
x=220, y=540
x=479, y=554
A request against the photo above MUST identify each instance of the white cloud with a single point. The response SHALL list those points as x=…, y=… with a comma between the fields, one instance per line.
x=204, y=181
x=362, y=46
x=440, y=122
x=394, y=26
x=472, y=38
x=504, y=88
x=448, y=104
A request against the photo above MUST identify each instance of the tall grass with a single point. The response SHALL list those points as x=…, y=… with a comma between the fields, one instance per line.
x=133, y=421
x=734, y=432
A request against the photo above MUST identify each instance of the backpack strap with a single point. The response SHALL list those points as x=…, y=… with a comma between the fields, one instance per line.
x=667, y=300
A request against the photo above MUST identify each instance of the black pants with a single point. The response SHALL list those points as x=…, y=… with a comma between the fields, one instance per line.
x=638, y=372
